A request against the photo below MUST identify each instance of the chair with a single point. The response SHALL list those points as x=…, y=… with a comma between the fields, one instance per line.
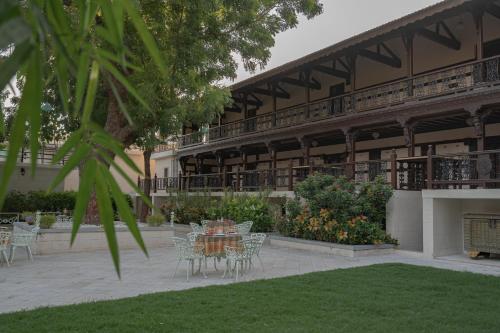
x=23, y=238
x=238, y=255
x=4, y=242
x=258, y=240
x=186, y=250
x=244, y=228
x=204, y=225
x=198, y=229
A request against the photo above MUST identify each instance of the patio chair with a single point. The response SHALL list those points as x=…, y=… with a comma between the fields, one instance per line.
x=244, y=228
x=4, y=242
x=238, y=258
x=23, y=238
x=204, y=225
x=196, y=228
x=186, y=251
x=258, y=240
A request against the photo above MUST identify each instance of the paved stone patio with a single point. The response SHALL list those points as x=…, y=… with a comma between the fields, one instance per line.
x=83, y=277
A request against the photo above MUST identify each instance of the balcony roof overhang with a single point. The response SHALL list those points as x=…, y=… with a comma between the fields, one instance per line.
x=412, y=21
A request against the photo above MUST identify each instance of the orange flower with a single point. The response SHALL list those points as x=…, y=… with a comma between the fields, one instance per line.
x=314, y=224
x=342, y=235
x=324, y=213
x=330, y=225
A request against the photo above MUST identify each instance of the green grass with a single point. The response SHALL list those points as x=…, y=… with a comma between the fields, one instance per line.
x=379, y=298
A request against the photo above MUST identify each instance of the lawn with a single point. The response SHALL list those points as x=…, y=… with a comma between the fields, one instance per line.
x=379, y=298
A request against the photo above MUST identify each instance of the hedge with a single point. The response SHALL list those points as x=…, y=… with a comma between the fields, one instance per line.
x=42, y=201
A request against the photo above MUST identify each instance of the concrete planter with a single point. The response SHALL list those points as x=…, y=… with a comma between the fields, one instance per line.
x=52, y=241
x=332, y=248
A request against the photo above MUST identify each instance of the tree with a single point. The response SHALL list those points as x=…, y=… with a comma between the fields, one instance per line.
x=171, y=53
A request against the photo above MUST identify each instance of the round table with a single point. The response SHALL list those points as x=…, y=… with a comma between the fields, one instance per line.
x=213, y=244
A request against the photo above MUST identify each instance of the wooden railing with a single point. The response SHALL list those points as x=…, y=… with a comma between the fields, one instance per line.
x=452, y=80
x=44, y=155
x=466, y=170
x=453, y=171
x=170, y=146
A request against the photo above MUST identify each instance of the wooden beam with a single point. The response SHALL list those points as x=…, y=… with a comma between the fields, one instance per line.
x=233, y=108
x=391, y=60
x=450, y=41
x=493, y=10
x=249, y=102
x=333, y=72
x=313, y=85
x=279, y=94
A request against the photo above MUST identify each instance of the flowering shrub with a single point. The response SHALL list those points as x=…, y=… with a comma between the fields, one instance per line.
x=155, y=220
x=241, y=208
x=333, y=210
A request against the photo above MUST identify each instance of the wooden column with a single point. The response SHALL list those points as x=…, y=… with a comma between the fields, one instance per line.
x=305, y=145
x=244, y=158
x=352, y=63
x=245, y=112
x=350, y=142
x=290, y=175
x=408, y=41
x=429, y=167
x=478, y=21
x=273, y=163
x=273, y=89
x=409, y=135
x=394, y=171
x=237, y=185
x=220, y=167
x=198, y=165
x=307, y=78
x=477, y=122
x=479, y=132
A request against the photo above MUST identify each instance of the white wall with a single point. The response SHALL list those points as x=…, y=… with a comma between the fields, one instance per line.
x=44, y=176
x=443, y=212
x=404, y=219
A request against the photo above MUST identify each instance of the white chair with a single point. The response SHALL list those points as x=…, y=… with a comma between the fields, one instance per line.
x=238, y=257
x=258, y=240
x=204, y=225
x=22, y=237
x=244, y=228
x=186, y=251
x=4, y=242
x=198, y=229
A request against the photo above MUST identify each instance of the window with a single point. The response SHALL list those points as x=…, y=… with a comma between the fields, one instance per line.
x=165, y=172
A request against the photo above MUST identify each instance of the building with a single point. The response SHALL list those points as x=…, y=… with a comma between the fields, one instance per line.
x=23, y=181
x=416, y=100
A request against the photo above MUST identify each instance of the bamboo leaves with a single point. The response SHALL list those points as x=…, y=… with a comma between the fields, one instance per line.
x=40, y=32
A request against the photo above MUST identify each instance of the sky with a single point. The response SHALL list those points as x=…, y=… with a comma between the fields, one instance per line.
x=340, y=20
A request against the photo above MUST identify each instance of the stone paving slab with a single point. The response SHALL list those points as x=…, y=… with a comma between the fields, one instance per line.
x=84, y=277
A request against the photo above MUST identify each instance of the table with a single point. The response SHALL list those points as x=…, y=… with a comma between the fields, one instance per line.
x=224, y=226
x=213, y=245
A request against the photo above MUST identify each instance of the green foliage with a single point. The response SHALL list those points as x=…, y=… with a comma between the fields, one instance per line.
x=155, y=220
x=241, y=208
x=336, y=211
x=127, y=51
x=188, y=208
x=46, y=221
x=39, y=200
x=372, y=200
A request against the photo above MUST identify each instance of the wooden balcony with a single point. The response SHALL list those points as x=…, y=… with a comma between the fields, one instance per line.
x=455, y=80
x=466, y=170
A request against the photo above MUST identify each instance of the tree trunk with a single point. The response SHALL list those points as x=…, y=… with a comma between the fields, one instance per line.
x=147, y=182
x=118, y=127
